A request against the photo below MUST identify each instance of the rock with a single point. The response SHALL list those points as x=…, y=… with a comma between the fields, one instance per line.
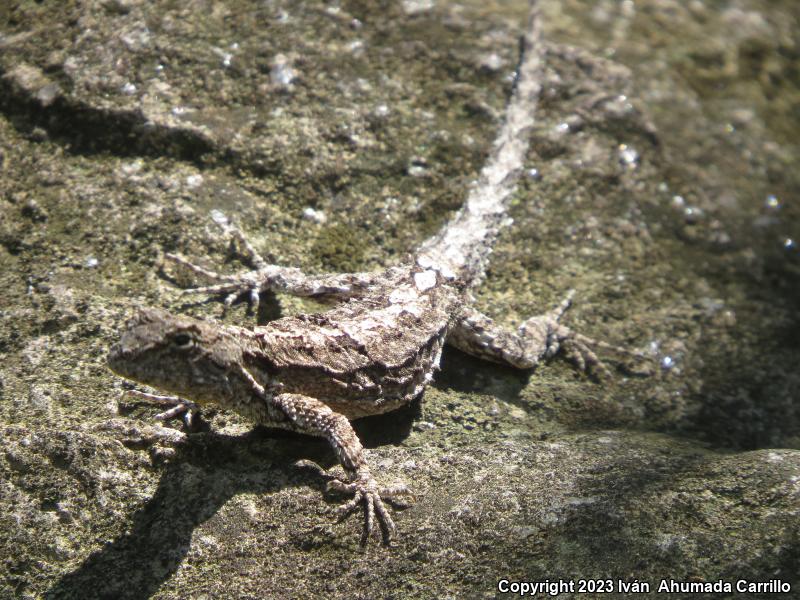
x=124, y=124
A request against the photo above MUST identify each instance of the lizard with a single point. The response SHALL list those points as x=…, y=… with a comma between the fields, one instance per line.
x=379, y=347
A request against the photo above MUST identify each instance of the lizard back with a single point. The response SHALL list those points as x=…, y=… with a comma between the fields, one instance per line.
x=368, y=355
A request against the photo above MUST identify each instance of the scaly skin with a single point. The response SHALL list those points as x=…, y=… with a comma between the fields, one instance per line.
x=376, y=350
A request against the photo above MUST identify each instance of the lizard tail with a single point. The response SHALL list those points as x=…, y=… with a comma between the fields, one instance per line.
x=462, y=246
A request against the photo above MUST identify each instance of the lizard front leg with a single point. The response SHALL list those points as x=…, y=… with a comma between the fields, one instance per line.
x=537, y=339
x=268, y=277
x=310, y=416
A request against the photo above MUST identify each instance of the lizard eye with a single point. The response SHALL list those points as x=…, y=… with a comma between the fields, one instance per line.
x=183, y=341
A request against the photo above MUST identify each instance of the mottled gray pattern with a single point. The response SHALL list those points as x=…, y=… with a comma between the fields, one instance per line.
x=376, y=350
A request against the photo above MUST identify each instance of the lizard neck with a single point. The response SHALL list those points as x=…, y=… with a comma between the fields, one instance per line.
x=462, y=246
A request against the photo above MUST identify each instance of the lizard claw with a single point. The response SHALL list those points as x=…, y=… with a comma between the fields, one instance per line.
x=580, y=350
x=232, y=286
x=577, y=350
x=176, y=407
x=365, y=493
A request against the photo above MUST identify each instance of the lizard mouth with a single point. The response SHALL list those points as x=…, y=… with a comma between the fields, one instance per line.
x=114, y=355
x=132, y=348
x=141, y=335
x=119, y=359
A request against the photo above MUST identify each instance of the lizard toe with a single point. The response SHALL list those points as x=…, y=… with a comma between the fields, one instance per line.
x=176, y=407
x=583, y=357
x=368, y=495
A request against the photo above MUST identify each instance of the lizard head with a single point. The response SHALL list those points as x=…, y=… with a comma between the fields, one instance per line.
x=179, y=355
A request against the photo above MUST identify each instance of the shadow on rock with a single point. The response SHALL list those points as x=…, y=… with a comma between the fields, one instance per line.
x=205, y=473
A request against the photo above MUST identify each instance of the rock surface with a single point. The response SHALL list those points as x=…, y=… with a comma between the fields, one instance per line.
x=340, y=136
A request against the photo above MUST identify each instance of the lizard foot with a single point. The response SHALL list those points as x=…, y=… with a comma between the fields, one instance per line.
x=578, y=348
x=247, y=283
x=365, y=493
x=177, y=407
x=264, y=277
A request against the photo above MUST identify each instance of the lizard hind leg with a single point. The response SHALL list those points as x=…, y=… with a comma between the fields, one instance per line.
x=248, y=283
x=539, y=338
